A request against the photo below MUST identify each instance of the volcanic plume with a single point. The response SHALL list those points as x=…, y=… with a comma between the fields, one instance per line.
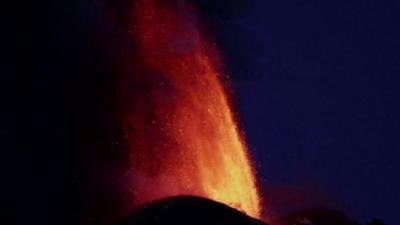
x=179, y=126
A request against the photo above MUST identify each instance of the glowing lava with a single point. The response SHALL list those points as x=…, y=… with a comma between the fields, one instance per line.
x=180, y=129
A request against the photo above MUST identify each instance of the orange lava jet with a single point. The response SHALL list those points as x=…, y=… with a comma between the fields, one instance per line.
x=179, y=126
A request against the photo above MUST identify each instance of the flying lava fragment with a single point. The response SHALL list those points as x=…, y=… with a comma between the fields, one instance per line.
x=179, y=127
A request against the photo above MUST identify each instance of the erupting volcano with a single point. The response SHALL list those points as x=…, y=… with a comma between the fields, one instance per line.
x=179, y=126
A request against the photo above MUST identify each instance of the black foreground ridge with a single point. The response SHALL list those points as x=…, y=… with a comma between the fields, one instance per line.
x=188, y=210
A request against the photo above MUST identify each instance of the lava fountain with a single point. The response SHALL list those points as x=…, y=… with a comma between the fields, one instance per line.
x=179, y=126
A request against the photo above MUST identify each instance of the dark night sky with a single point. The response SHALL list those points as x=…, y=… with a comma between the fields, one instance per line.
x=319, y=103
x=316, y=86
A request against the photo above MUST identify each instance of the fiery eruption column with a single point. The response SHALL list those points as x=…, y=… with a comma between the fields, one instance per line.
x=179, y=126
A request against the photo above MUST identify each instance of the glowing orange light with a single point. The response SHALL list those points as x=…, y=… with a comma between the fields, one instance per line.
x=181, y=132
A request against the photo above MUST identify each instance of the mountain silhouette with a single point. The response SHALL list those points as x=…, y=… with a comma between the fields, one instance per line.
x=188, y=210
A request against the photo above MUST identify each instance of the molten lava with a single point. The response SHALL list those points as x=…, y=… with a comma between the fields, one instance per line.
x=179, y=126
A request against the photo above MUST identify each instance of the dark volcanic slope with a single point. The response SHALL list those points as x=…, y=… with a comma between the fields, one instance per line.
x=188, y=210
x=319, y=216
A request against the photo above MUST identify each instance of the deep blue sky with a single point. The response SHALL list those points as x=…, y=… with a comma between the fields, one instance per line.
x=320, y=101
x=316, y=86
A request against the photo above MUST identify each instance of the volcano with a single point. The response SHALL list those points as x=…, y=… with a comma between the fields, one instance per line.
x=178, y=124
x=188, y=210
